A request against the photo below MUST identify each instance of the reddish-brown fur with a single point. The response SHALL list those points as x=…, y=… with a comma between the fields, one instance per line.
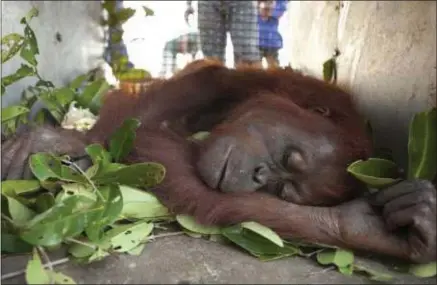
x=192, y=92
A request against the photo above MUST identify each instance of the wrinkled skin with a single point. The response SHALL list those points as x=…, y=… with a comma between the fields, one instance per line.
x=279, y=146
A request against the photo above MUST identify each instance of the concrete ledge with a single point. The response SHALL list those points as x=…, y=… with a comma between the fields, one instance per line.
x=184, y=259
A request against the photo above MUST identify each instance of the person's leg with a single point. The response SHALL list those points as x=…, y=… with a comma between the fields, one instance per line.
x=212, y=30
x=272, y=57
x=243, y=26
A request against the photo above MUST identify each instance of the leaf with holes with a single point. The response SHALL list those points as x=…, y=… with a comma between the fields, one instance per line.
x=144, y=175
x=10, y=46
x=127, y=237
x=256, y=244
x=189, y=223
x=264, y=232
x=109, y=210
x=422, y=149
x=23, y=71
x=61, y=221
x=423, y=270
x=122, y=140
x=35, y=271
x=375, y=172
x=30, y=15
x=13, y=188
x=46, y=166
x=137, y=250
x=139, y=204
x=60, y=278
x=339, y=257
x=20, y=214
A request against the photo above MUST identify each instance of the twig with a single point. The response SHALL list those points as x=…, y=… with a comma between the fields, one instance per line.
x=48, y=262
x=7, y=218
x=86, y=177
x=82, y=243
x=23, y=271
x=153, y=237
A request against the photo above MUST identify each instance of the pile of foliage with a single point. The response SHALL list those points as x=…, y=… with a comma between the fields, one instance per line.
x=107, y=208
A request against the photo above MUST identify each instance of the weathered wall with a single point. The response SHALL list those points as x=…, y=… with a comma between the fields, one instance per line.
x=79, y=51
x=388, y=57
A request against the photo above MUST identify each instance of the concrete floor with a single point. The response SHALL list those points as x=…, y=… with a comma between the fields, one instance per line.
x=179, y=259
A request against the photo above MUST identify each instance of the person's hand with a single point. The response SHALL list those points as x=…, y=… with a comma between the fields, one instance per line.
x=399, y=220
x=189, y=11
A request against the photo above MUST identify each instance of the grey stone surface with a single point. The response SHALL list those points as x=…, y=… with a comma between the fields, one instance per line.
x=182, y=258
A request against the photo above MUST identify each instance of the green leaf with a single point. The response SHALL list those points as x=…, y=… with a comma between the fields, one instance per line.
x=190, y=224
x=44, y=202
x=137, y=250
x=144, y=175
x=78, y=81
x=30, y=15
x=60, y=278
x=375, y=172
x=139, y=204
x=12, y=112
x=46, y=166
x=20, y=214
x=148, y=11
x=109, y=210
x=64, y=96
x=256, y=244
x=339, y=257
x=422, y=149
x=85, y=193
x=372, y=274
x=123, y=15
x=264, y=232
x=122, y=140
x=13, y=244
x=52, y=105
x=132, y=74
x=80, y=250
x=116, y=37
x=330, y=70
x=27, y=54
x=423, y=270
x=40, y=117
x=98, y=154
x=11, y=45
x=127, y=237
x=23, y=71
x=200, y=136
x=35, y=271
x=44, y=83
x=12, y=188
x=92, y=94
x=61, y=221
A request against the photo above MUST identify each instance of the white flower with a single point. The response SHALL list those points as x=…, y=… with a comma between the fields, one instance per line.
x=78, y=119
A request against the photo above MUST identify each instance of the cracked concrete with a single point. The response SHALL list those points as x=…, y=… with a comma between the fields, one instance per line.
x=182, y=259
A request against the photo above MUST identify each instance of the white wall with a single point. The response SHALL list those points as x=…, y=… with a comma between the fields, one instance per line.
x=388, y=57
x=81, y=48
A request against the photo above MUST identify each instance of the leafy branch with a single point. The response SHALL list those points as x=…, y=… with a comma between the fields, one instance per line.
x=84, y=89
